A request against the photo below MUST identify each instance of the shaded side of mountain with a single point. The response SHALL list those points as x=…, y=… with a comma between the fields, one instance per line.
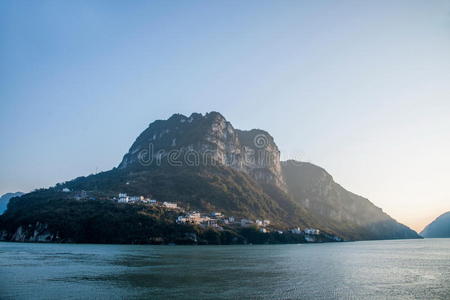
x=104, y=221
x=51, y=215
x=346, y=213
x=206, y=188
x=439, y=228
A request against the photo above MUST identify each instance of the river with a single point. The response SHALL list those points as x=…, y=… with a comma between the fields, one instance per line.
x=399, y=269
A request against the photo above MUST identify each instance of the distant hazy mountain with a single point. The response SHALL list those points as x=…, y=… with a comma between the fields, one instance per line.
x=5, y=199
x=203, y=163
x=439, y=228
x=348, y=214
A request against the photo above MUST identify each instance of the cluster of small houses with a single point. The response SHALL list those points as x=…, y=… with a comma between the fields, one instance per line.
x=124, y=198
x=214, y=219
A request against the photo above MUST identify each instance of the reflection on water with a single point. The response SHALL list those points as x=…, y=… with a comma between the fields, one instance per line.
x=408, y=269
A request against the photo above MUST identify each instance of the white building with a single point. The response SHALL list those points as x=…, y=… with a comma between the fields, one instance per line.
x=262, y=223
x=312, y=231
x=182, y=219
x=246, y=222
x=66, y=190
x=194, y=215
x=123, y=198
x=135, y=198
x=149, y=201
x=170, y=205
x=296, y=230
x=193, y=218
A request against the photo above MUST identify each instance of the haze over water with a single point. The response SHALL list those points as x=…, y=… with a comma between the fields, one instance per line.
x=400, y=269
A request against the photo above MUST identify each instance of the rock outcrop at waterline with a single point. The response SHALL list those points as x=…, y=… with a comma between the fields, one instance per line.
x=31, y=233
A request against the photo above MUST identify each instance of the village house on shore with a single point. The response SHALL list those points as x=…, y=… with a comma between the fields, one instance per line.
x=212, y=219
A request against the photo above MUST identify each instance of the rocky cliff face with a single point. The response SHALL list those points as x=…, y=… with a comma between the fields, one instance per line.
x=207, y=140
x=37, y=232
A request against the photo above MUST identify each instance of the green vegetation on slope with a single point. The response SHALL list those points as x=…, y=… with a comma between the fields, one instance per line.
x=345, y=213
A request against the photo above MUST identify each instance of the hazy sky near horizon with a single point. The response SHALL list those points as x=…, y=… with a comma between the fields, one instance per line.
x=361, y=88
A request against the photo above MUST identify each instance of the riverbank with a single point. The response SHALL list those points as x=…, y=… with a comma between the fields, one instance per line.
x=173, y=234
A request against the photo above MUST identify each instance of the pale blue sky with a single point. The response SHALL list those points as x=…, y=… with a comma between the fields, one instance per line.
x=358, y=87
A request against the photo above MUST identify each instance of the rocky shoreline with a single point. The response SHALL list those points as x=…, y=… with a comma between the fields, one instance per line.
x=40, y=233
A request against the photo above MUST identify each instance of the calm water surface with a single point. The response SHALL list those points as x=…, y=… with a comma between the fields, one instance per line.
x=404, y=269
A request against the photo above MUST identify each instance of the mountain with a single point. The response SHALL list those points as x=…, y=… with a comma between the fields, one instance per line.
x=439, y=228
x=346, y=213
x=4, y=199
x=202, y=163
x=205, y=140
